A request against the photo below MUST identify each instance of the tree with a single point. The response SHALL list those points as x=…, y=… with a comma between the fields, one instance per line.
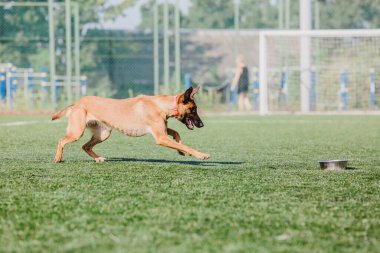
x=210, y=14
x=24, y=35
x=341, y=14
x=258, y=14
x=202, y=14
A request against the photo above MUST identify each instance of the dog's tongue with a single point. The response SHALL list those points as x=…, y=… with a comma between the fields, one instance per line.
x=189, y=123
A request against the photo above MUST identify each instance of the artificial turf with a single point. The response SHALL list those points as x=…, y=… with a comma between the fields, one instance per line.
x=261, y=190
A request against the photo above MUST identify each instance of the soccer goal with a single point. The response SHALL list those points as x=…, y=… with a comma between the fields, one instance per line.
x=319, y=70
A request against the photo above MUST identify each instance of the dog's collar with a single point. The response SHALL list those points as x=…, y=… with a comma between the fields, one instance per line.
x=175, y=107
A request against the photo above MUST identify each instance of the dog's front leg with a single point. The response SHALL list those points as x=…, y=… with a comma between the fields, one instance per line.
x=176, y=137
x=163, y=140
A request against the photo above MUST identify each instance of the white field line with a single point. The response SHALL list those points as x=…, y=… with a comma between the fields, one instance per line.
x=210, y=120
x=329, y=113
x=247, y=121
x=272, y=122
x=22, y=123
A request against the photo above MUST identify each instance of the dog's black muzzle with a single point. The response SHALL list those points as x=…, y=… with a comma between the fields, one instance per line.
x=192, y=121
x=198, y=124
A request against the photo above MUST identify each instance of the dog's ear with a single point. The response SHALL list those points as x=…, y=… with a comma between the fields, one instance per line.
x=195, y=90
x=187, y=95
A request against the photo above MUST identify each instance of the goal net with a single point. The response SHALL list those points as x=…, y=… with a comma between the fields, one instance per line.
x=340, y=70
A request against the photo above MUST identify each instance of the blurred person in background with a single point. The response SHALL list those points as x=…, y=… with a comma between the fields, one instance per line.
x=241, y=80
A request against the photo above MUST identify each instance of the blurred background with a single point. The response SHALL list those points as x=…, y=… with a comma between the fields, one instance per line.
x=302, y=55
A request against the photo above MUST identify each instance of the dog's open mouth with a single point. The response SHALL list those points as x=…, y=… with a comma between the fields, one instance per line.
x=189, y=124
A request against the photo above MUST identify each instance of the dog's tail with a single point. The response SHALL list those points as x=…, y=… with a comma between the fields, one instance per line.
x=65, y=112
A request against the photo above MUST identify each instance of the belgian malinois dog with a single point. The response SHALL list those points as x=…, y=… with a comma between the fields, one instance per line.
x=134, y=117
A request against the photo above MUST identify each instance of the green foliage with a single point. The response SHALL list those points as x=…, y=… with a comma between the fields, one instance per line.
x=114, y=11
x=123, y=66
x=210, y=14
x=341, y=14
x=255, y=14
x=104, y=86
x=202, y=14
x=259, y=14
x=24, y=38
x=147, y=15
x=261, y=191
x=92, y=10
x=21, y=44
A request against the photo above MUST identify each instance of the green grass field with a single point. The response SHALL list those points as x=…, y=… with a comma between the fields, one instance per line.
x=261, y=190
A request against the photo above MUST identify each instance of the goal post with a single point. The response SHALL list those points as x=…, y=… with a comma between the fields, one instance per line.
x=355, y=54
x=263, y=84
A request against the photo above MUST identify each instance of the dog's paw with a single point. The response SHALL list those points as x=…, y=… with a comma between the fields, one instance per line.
x=57, y=159
x=181, y=153
x=203, y=156
x=100, y=159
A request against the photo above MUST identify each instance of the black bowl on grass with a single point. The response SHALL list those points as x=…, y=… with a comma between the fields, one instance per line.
x=333, y=164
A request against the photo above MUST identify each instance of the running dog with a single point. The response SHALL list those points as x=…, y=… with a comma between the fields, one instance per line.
x=134, y=117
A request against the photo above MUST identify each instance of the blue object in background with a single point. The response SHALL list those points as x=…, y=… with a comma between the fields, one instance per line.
x=44, y=86
x=44, y=79
x=13, y=81
x=344, y=90
x=235, y=96
x=83, y=82
x=2, y=86
x=313, y=100
x=256, y=89
x=372, y=89
x=231, y=96
x=9, y=85
x=187, y=81
x=31, y=89
x=284, y=87
x=228, y=97
x=55, y=90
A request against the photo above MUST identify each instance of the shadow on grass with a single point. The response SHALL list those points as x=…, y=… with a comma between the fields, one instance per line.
x=199, y=163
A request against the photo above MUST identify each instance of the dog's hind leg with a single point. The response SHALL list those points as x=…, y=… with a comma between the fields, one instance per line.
x=75, y=129
x=100, y=133
x=176, y=137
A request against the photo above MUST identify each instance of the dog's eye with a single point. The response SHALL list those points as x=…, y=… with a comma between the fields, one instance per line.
x=194, y=109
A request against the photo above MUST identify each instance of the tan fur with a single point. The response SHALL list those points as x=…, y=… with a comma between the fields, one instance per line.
x=133, y=117
x=62, y=113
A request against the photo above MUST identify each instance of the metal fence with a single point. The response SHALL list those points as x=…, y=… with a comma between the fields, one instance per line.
x=49, y=57
x=36, y=46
